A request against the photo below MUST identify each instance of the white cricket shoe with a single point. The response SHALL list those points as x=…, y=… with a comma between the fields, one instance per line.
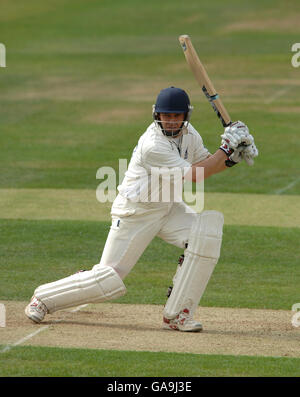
x=36, y=310
x=182, y=322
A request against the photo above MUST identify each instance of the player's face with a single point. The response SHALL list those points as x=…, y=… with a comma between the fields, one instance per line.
x=171, y=122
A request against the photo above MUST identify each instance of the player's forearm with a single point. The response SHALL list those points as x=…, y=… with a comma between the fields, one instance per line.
x=212, y=165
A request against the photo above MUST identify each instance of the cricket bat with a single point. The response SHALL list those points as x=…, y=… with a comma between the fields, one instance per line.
x=204, y=81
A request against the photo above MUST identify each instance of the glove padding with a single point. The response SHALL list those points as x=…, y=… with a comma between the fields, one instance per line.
x=246, y=153
x=236, y=156
x=235, y=135
x=249, y=153
x=238, y=144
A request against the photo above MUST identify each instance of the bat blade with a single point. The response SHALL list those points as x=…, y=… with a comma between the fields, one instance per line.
x=203, y=80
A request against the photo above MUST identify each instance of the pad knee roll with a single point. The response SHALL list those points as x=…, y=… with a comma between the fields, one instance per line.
x=92, y=286
x=205, y=237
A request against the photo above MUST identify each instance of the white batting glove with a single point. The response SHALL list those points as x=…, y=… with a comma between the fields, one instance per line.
x=235, y=135
x=238, y=144
x=249, y=153
x=235, y=157
x=241, y=153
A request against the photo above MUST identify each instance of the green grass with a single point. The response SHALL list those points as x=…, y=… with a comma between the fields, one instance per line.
x=71, y=60
x=41, y=361
x=81, y=204
x=258, y=267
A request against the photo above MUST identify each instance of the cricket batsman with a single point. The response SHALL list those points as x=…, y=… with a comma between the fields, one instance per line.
x=169, y=143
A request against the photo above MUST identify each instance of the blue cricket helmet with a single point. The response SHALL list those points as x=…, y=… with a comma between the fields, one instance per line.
x=172, y=100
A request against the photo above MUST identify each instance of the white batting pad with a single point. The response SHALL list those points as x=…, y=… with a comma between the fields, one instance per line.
x=93, y=286
x=200, y=258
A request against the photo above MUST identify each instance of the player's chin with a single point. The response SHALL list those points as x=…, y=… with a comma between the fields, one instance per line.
x=172, y=134
x=172, y=130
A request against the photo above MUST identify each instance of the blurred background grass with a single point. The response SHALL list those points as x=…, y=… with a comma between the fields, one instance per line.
x=81, y=78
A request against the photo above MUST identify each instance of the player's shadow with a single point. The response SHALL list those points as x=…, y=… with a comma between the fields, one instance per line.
x=158, y=328
x=128, y=327
x=256, y=333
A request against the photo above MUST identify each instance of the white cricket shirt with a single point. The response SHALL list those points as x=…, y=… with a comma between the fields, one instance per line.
x=157, y=153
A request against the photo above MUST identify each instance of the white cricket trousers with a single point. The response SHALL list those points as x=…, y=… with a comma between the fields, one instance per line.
x=134, y=225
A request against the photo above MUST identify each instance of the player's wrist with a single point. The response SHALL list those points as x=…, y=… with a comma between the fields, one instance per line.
x=228, y=151
x=230, y=163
